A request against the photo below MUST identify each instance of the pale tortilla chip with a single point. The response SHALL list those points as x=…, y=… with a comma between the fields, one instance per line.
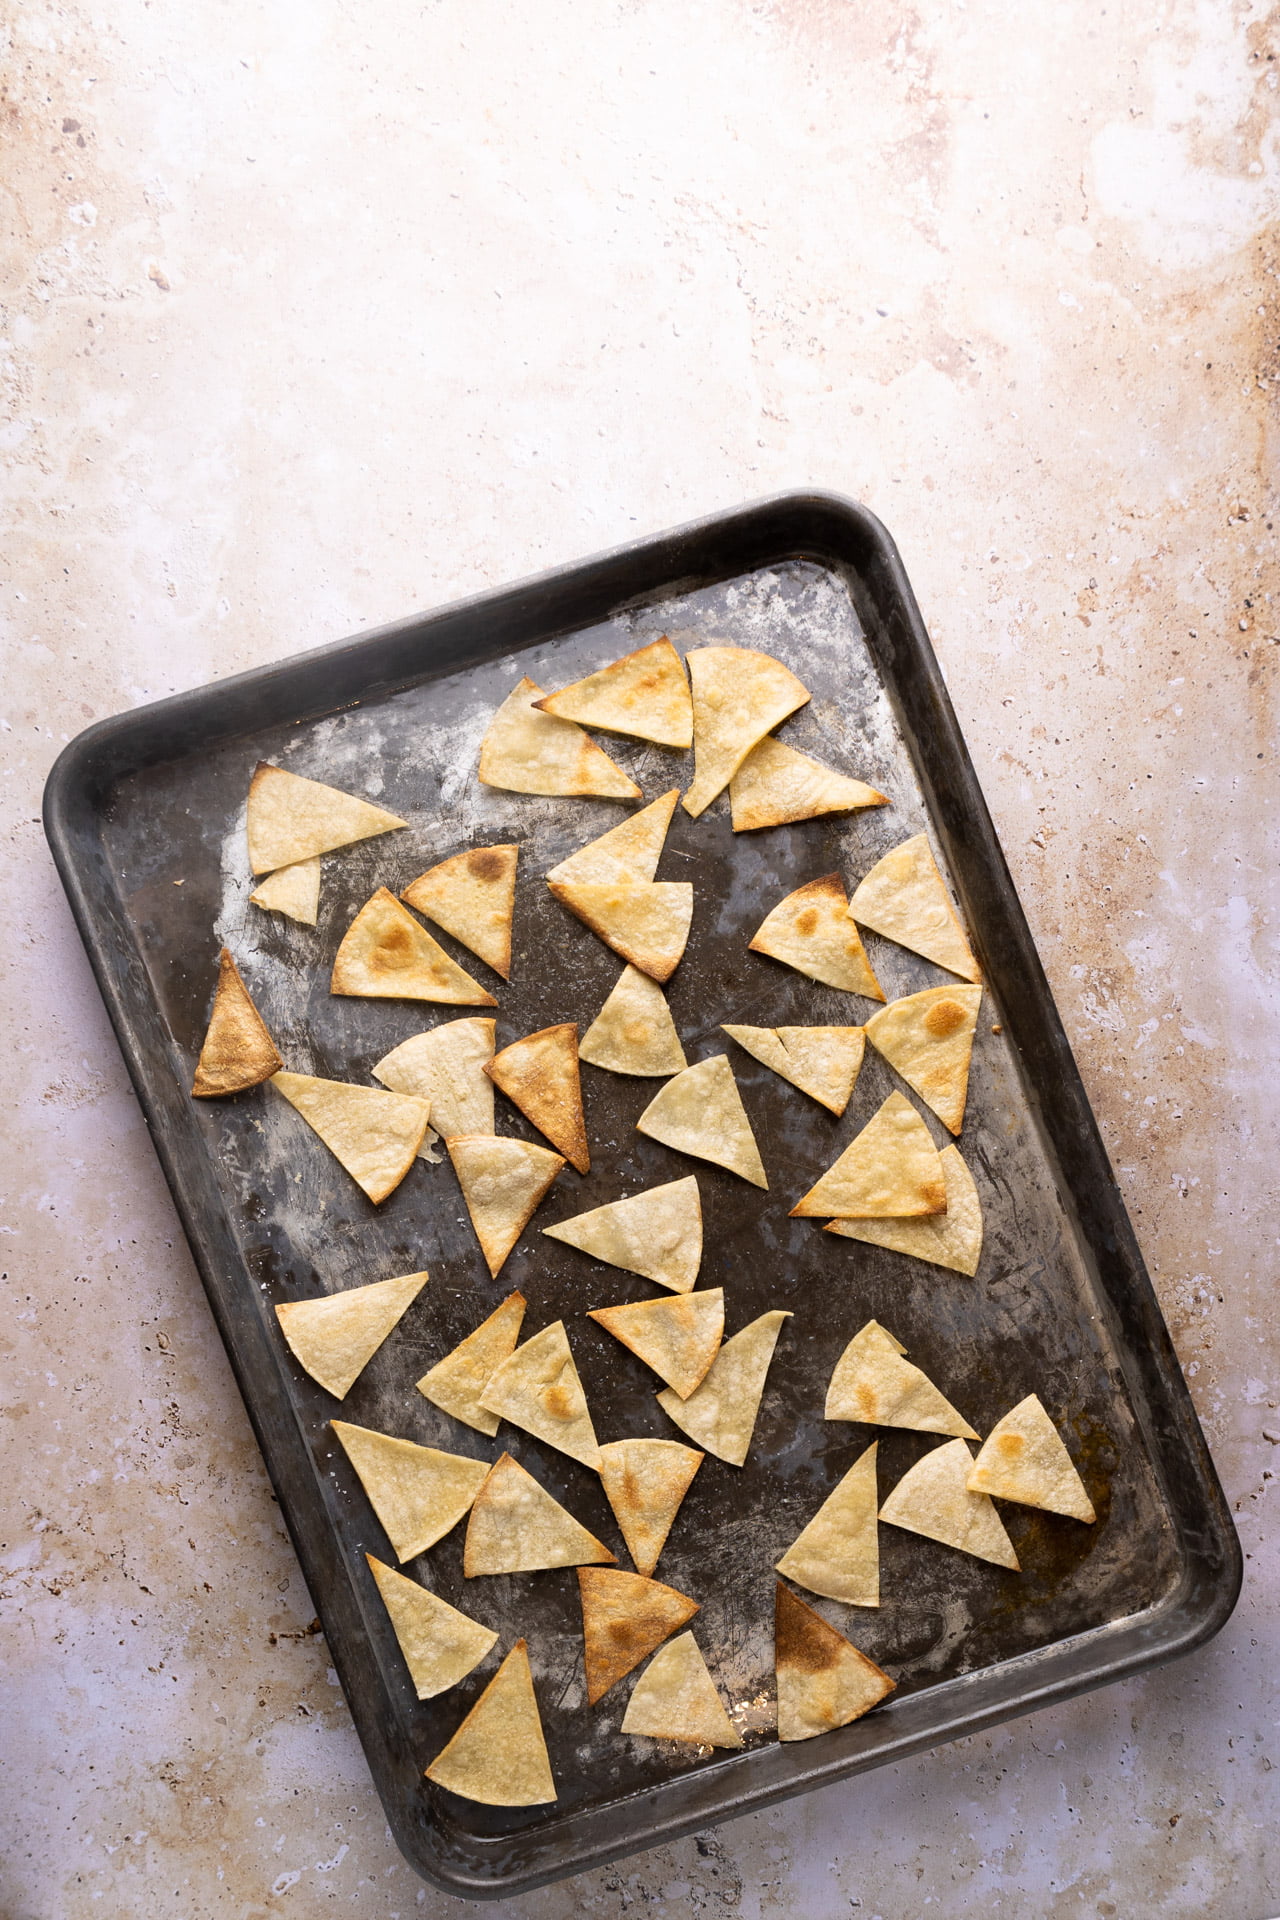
x=775, y=784
x=334, y=1338
x=525, y=751
x=445, y=1067
x=823, y=1680
x=386, y=955
x=238, y=1052
x=538, y=1388
x=645, y=1482
x=873, y=1383
x=678, y=1337
x=375, y=1135
x=627, y=852
x=1023, y=1458
x=645, y=921
x=811, y=931
x=891, y=1168
x=739, y=695
x=498, y=1756
x=933, y=1499
x=624, y=1617
x=418, y=1493
x=293, y=891
x=822, y=1061
x=456, y=1383
x=904, y=898
x=838, y=1553
x=952, y=1239
x=676, y=1699
x=657, y=1234
x=721, y=1414
x=291, y=819
x=516, y=1526
x=633, y=1031
x=928, y=1039
x=472, y=896
x=700, y=1112
x=644, y=694
x=439, y=1644
x=540, y=1073
x=502, y=1182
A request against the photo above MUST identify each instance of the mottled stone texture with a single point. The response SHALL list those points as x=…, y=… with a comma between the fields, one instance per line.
x=316, y=315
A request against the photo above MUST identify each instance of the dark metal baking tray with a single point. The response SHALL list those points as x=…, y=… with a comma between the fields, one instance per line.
x=1062, y=1304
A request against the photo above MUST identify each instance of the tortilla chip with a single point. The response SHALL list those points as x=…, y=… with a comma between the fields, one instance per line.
x=676, y=1699
x=775, y=784
x=646, y=921
x=874, y=1384
x=838, y=1553
x=445, y=1067
x=439, y=1644
x=810, y=931
x=627, y=852
x=823, y=1680
x=456, y=1383
x=657, y=1234
x=645, y=1482
x=238, y=1052
x=537, y=1388
x=334, y=1338
x=644, y=694
x=291, y=819
x=678, y=1337
x=540, y=1073
x=526, y=751
x=1023, y=1459
x=502, y=1182
x=904, y=898
x=293, y=891
x=471, y=896
x=498, y=1756
x=418, y=1493
x=700, y=1112
x=624, y=1617
x=933, y=1499
x=928, y=1039
x=739, y=695
x=375, y=1135
x=891, y=1168
x=721, y=1414
x=386, y=955
x=517, y=1527
x=633, y=1031
x=822, y=1061
x=952, y=1239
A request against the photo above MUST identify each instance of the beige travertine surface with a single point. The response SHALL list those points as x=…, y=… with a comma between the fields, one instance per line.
x=319, y=315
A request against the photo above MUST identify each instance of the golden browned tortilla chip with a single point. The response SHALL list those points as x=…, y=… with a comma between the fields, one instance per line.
x=775, y=784
x=933, y=1499
x=873, y=1383
x=418, y=1493
x=657, y=1234
x=471, y=896
x=526, y=751
x=678, y=1337
x=721, y=1414
x=739, y=695
x=700, y=1112
x=645, y=921
x=838, y=1553
x=624, y=1617
x=540, y=1073
x=498, y=1756
x=335, y=1337
x=823, y=1680
x=538, y=1388
x=645, y=1482
x=238, y=1052
x=291, y=819
x=293, y=891
x=439, y=1644
x=633, y=1031
x=517, y=1527
x=1023, y=1458
x=456, y=1383
x=386, y=955
x=374, y=1134
x=822, y=1061
x=445, y=1067
x=952, y=1239
x=676, y=1699
x=502, y=1182
x=629, y=851
x=928, y=1039
x=891, y=1168
x=644, y=694
x=811, y=931
x=903, y=898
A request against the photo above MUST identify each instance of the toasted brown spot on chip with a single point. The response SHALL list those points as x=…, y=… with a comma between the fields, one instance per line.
x=484, y=863
x=945, y=1017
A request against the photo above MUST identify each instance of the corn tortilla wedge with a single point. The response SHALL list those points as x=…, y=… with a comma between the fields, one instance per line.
x=700, y=1112
x=811, y=931
x=952, y=1239
x=933, y=1499
x=823, y=1680
x=775, y=784
x=540, y=1073
x=445, y=1067
x=657, y=1234
x=822, y=1061
x=293, y=891
x=238, y=1052
x=677, y=1337
x=498, y=1756
x=386, y=955
x=471, y=895
x=418, y=1493
x=624, y=1617
x=516, y=1526
x=645, y=921
x=375, y=1135
x=739, y=695
x=645, y=1482
x=439, y=1644
x=290, y=819
x=891, y=1168
x=456, y=1383
x=526, y=751
x=838, y=1553
x=537, y=1387
x=633, y=1031
x=335, y=1337
x=720, y=1415
x=629, y=851
x=1023, y=1458
x=904, y=898
x=928, y=1038
x=872, y=1382
x=502, y=1182
x=644, y=694
x=675, y=1698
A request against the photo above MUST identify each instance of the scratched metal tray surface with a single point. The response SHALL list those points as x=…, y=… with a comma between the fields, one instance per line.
x=1061, y=1305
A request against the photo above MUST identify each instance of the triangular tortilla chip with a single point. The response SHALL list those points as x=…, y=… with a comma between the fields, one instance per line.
x=645, y=921
x=644, y=694
x=700, y=1112
x=873, y=1383
x=291, y=819
x=456, y=1383
x=439, y=1644
x=657, y=1234
x=238, y=1052
x=516, y=1526
x=811, y=931
x=1023, y=1458
x=952, y=1239
x=293, y=891
x=928, y=1039
x=335, y=1337
x=891, y=1168
x=838, y=1553
x=822, y=1061
x=624, y=1617
x=502, y=1182
x=418, y=1493
x=932, y=1499
x=538, y=1388
x=775, y=784
x=445, y=1067
x=540, y=1073
x=471, y=896
x=823, y=1681
x=676, y=1699
x=645, y=1482
x=375, y=1135
x=525, y=751
x=739, y=695
x=627, y=852
x=678, y=1337
x=904, y=898
x=721, y=1414
x=386, y=955
x=498, y=1756
x=633, y=1031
